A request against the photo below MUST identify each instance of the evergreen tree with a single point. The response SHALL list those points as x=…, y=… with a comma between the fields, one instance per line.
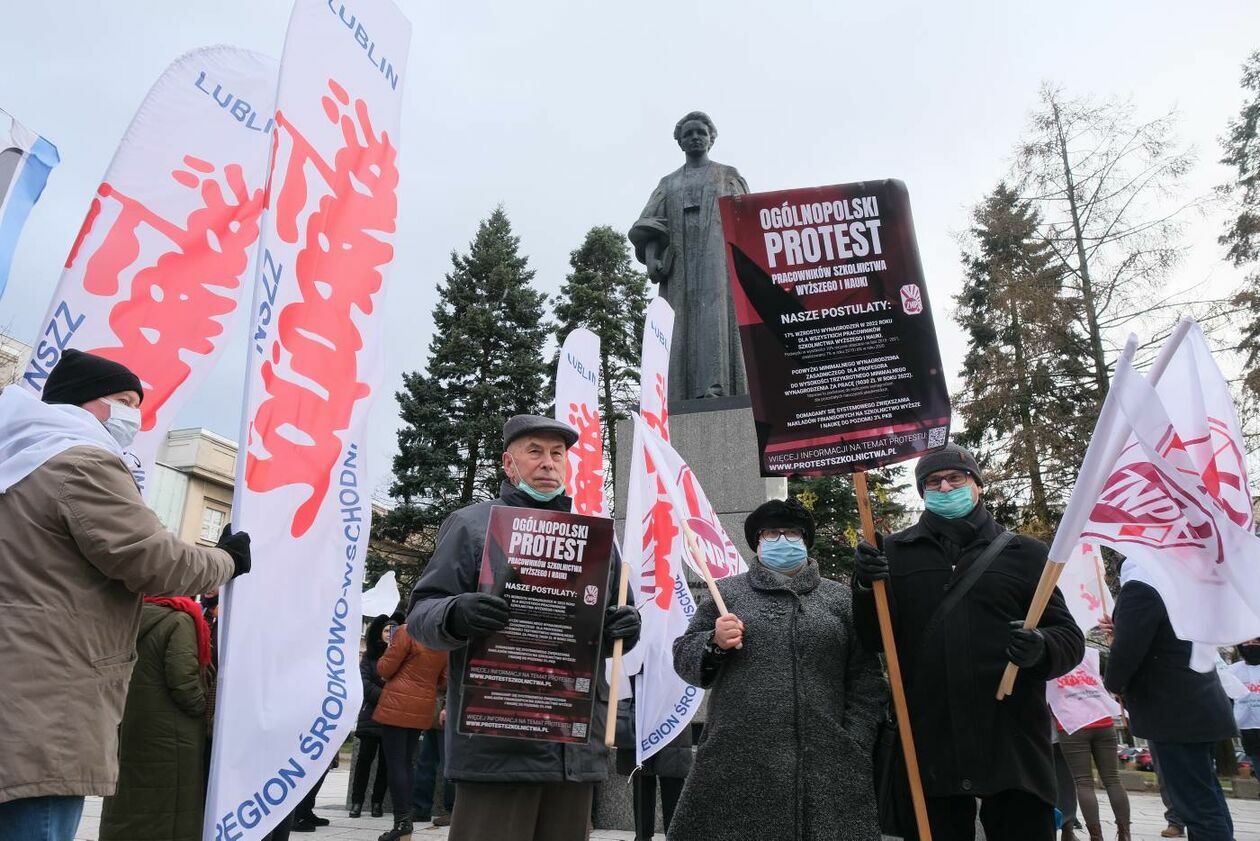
x=832, y=501
x=1242, y=236
x=604, y=294
x=485, y=364
x=1027, y=377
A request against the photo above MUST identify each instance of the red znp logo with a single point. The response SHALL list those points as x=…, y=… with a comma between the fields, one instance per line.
x=176, y=301
x=586, y=461
x=1139, y=504
x=337, y=271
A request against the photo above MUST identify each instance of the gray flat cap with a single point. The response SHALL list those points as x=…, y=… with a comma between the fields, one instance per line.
x=519, y=425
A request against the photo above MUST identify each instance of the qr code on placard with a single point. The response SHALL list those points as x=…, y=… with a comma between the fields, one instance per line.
x=582, y=684
x=936, y=437
x=579, y=729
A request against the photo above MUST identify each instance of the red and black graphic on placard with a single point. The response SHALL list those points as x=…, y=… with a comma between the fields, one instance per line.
x=536, y=678
x=843, y=364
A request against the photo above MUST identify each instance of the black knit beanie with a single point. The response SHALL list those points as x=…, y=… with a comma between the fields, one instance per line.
x=779, y=514
x=80, y=378
x=951, y=457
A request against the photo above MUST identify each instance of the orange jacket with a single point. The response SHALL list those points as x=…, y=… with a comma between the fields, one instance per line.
x=413, y=675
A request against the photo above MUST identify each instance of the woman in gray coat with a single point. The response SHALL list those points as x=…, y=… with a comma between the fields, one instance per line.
x=794, y=700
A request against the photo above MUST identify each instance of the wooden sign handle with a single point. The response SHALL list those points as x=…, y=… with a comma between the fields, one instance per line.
x=894, y=666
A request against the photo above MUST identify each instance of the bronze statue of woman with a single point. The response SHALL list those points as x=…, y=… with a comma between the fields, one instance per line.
x=679, y=239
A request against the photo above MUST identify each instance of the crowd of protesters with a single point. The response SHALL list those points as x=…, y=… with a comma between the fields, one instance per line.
x=95, y=593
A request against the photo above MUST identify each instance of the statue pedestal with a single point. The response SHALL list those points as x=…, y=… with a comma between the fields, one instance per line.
x=716, y=437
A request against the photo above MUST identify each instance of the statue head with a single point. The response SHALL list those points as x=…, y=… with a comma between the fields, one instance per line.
x=695, y=133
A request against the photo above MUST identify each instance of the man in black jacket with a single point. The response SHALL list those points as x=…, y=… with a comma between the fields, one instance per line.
x=1182, y=713
x=969, y=744
x=509, y=789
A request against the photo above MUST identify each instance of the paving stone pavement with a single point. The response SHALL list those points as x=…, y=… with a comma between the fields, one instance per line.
x=1148, y=818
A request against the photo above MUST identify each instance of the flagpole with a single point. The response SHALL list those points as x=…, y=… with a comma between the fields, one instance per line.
x=894, y=665
x=614, y=679
x=1075, y=517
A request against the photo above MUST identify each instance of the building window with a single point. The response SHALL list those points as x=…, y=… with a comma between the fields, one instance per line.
x=212, y=520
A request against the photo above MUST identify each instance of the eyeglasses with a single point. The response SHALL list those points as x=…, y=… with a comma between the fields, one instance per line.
x=954, y=478
x=775, y=534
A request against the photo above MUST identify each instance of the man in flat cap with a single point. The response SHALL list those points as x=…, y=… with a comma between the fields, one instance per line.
x=510, y=789
x=78, y=550
x=960, y=586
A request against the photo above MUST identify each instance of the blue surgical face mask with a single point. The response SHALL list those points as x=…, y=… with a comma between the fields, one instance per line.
x=782, y=554
x=536, y=495
x=950, y=504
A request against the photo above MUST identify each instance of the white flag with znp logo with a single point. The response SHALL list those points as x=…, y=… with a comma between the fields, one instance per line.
x=1173, y=496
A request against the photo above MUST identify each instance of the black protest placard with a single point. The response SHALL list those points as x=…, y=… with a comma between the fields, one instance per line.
x=836, y=327
x=536, y=678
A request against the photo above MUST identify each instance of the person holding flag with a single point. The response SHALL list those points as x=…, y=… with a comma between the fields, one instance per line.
x=78, y=549
x=959, y=585
x=510, y=789
x=795, y=699
x=1180, y=711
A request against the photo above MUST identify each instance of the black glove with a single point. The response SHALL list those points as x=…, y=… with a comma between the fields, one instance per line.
x=869, y=564
x=622, y=623
x=236, y=544
x=477, y=615
x=1027, y=647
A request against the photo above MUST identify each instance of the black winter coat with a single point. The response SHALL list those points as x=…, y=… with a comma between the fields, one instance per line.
x=1167, y=700
x=452, y=570
x=372, y=683
x=968, y=742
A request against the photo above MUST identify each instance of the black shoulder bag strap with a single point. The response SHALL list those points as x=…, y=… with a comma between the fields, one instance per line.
x=963, y=585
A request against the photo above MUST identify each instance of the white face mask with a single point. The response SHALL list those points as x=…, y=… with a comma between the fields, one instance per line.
x=122, y=424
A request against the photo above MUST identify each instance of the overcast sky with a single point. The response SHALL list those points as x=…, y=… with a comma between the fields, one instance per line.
x=563, y=111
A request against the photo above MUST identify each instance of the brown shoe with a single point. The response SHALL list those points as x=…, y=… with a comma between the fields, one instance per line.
x=1095, y=831
x=441, y=820
x=1173, y=831
x=1122, y=832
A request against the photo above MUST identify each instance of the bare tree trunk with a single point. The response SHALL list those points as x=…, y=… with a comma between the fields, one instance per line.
x=1087, y=286
x=1032, y=463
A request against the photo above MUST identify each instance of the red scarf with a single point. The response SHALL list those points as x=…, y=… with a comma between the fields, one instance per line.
x=187, y=605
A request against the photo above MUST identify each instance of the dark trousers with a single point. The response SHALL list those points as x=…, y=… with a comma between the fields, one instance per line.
x=400, y=757
x=1065, y=799
x=1170, y=814
x=1006, y=816
x=645, y=803
x=370, y=748
x=426, y=771
x=304, y=809
x=1100, y=744
x=1195, y=793
x=522, y=812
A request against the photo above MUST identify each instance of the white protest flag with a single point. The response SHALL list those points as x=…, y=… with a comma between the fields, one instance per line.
x=1159, y=500
x=161, y=264
x=289, y=690
x=577, y=404
x=1084, y=586
x=648, y=571
x=692, y=506
x=664, y=702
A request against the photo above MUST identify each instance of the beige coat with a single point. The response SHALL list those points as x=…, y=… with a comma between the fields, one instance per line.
x=78, y=547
